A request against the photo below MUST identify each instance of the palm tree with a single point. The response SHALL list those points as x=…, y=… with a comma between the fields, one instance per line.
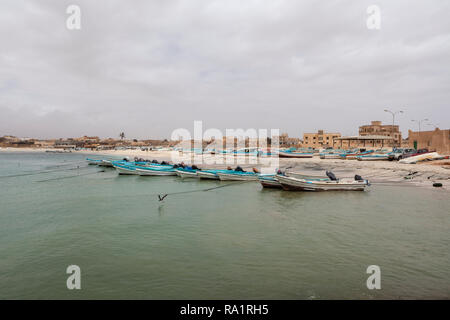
x=122, y=135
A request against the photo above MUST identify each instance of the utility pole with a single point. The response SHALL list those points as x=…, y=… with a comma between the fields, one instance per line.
x=393, y=122
x=419, y=122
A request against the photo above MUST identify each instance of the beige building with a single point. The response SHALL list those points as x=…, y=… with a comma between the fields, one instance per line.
x=436, y=140
x=320, y=139
x=378, y=129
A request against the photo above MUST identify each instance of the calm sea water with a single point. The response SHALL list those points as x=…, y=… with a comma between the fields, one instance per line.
x=236, y=242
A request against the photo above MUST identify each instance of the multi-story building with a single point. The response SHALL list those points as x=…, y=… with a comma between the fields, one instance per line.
x=320, y=139
x=378, y=129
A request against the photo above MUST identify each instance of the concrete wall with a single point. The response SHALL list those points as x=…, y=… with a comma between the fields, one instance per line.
x=436, y=140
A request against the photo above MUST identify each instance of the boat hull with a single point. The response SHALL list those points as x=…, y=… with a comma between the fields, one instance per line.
x=106, y=163
x=269, y=182
x=294, y=184
x=224, y=176
x=123, y=170
x=207, y=175
x=282, y=154
x=146, y=172
x=186, y=174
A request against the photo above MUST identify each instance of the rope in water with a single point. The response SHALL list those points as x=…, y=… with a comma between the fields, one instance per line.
x=41, y=172
x=162, y=196
x=67, y=177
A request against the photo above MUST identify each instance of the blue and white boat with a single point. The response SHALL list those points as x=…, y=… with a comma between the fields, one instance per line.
x=295, y=154
x=124, y=168
x=93, y=161
x=186, y=172
x=227, y=175
x=155, y=171
x=269, y=181
x=209, y=174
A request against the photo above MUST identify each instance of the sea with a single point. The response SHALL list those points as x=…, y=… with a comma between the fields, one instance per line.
x=238, y=241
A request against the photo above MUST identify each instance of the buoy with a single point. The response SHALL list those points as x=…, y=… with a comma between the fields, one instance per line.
x=437, y=184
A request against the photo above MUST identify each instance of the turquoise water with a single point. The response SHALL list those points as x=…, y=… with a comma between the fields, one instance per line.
x=236, y=242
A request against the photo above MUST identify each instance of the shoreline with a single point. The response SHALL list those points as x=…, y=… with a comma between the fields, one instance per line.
x=379, y=172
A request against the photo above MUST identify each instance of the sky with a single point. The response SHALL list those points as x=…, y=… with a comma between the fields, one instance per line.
x=148, y=67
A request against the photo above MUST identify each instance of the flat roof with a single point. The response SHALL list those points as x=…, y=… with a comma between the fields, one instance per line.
x=374, y=137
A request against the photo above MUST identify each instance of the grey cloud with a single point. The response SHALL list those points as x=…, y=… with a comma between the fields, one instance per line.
x=148, y=67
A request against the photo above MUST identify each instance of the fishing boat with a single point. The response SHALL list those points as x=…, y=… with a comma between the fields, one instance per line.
x=93, y=161
x=228, y=175
x=300, y=175
x=295, y=154
x=106, y=163
x=186, y=173
x=329, y=155
x=420, y=157
x=208, y=174
x=269, y=181
x=373, y=157
x=353, y=155
x=295, y=184
x=125, y=169
x=153, y=171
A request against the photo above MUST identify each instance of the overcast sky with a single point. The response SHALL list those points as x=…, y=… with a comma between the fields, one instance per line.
x=148, y=67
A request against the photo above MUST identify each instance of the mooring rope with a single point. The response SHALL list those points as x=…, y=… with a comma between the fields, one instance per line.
x=162, y=196
x=74, y=176
x=41, y=172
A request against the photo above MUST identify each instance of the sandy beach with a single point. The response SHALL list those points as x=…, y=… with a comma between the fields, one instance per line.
x=380, y=172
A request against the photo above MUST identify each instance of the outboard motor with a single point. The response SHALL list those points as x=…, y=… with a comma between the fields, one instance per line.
x=175, y=166
x=238, y=168
x=280, y=172
x=331, y=176
x=358, y=178
x=194, y=167
x=154, y=161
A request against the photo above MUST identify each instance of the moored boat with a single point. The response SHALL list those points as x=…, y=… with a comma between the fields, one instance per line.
x=93, y=161
x=152, y=171
x=294, y=184
x=269, y=181
x=294, y=154
x=208, y=174
x=186, y=173
x=106, y=163
x=124, y=168
x=228, y=175
x=372, y=157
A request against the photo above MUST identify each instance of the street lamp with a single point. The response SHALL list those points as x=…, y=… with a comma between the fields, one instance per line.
x=393, y=121
x=420, y=122
x=436, y=126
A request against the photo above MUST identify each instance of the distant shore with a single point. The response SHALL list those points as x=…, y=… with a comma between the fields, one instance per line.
x=383, y=172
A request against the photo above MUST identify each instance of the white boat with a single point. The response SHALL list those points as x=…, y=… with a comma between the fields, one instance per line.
x=291, y=183
x=155, y=172
x=106, y=163
x=269, y=181
x=184, y=173
x=231, y=175
x=420, y=157
x=373, y=157
x=208, y=174
x=124, y=169
x=330, y=156
x=93, y=161
x=300, y=175
x=294, y=154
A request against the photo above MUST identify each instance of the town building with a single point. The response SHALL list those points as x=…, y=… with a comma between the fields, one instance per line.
x=372, y=141
x=320, y=139
x=436, y=140
x=378, y=129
